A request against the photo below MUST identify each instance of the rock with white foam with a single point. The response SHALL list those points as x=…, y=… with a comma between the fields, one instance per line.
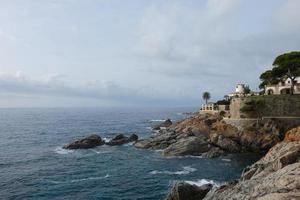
x=186, y=191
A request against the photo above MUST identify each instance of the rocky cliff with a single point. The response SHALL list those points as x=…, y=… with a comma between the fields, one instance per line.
x=275, y=176
x=210, y=136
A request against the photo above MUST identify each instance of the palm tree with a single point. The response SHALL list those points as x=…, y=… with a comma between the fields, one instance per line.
x=206, y=96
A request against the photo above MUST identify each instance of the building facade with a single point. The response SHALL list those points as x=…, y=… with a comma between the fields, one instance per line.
x=283, y=87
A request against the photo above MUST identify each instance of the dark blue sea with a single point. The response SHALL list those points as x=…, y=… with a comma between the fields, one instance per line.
x=34, y=166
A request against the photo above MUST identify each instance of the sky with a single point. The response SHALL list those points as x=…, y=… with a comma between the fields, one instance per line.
x=103, y=53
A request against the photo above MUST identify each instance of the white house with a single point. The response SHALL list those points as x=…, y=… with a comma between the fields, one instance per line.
x=283, y=87
x=239, y=91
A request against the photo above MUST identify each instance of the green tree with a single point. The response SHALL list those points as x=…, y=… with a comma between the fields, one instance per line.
x=287, y=66
x=284, y=66
x=206, y=96
x=267, y=78
x=247, y=89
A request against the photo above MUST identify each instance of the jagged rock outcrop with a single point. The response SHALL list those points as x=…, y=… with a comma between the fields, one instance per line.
x=275, y=176
x=185, y=191
x=187, y=146
x=212, y=134
x=188, y=137
x=85, y=143
x=165, y=124
x=122, y=139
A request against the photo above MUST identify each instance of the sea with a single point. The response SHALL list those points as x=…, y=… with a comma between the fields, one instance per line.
x=33, y=164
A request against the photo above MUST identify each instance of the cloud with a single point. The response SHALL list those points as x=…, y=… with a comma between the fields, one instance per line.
x=214, y=40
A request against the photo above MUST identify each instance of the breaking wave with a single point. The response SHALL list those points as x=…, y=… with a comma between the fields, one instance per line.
x=62, y=151
x=203, y=182
x=186, y=170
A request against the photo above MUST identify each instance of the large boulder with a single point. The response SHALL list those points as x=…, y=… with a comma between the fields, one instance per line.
x=165, y=124
x=188, y=146
x=122, y=139
x=185, y=191
x=85, y=143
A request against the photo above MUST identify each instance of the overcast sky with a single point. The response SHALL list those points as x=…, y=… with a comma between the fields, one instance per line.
x=138, y=52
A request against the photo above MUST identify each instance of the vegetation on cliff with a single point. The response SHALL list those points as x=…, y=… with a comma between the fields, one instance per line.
x=284, y=66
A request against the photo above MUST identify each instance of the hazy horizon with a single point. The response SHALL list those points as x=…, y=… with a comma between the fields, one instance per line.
x=100, y=53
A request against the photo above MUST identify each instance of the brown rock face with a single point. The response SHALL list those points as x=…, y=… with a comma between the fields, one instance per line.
x=292, y=135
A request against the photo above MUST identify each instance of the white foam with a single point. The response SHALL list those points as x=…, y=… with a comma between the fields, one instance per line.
x=83, y=179
x=106, y=139
x=62, y=151
x=157, y=120
x=186, y=170
x=203, y=182
x=128, y=144
x=226, y=159
x=100, y=152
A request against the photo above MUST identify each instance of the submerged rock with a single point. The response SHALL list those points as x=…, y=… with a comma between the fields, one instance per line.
x=185, y=191
x=85, y=143
x=122, y=139
x=165, y=124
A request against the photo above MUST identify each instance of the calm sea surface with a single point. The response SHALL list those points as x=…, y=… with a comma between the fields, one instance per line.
x=34, y=166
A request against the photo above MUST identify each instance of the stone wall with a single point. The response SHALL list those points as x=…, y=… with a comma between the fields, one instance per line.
x=276, y=106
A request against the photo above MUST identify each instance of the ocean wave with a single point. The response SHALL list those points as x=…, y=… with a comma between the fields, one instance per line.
x=62, y=151
x=186, y=170
x=203, y=182
x=82, y=179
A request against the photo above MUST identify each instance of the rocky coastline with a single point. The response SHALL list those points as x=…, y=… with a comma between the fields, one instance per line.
x=275, y=176
x=210, y=136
